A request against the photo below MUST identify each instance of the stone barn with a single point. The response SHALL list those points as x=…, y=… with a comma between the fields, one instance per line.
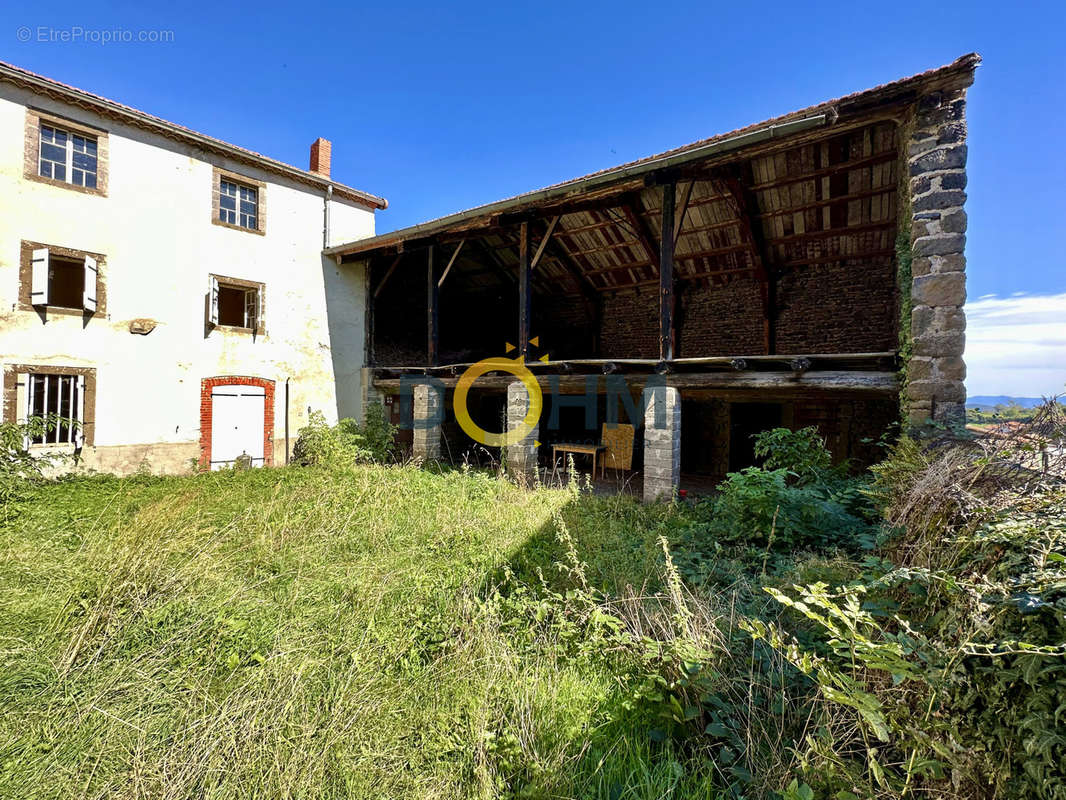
x=804, y=271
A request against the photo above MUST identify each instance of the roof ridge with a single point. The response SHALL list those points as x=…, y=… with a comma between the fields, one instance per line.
x=963, y=65
x=14, y=73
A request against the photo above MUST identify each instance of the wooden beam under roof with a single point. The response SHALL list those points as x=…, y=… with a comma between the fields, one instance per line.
x=666, y=275
x=524, y=295
x=830, y=380
x=388, y=274
x=642, y=232
x=451, y=261
x=544, y=242
x=432, y=311
x=686, y=195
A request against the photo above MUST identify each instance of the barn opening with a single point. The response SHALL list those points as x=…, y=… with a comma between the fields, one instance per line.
x=751, y=277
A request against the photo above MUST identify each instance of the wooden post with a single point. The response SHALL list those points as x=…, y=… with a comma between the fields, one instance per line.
x=524, y=305
x=666, y=275
x=432, y=315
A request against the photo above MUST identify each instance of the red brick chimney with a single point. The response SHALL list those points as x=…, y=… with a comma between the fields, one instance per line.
x=321, y=150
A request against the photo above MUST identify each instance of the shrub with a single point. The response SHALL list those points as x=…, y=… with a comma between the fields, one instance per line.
x=378, y=433
x=796, y=500
x=800, y=452
x=18, y=467
x=347, y=442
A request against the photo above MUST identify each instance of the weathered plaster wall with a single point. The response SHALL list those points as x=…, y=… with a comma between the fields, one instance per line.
x=154, y=227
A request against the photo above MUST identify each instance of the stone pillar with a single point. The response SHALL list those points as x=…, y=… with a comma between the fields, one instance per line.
x=937, y=162
x=427, y=415
x=521, y=455
x=662, y=442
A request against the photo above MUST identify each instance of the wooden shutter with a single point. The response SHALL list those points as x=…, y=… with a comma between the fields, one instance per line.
x=213, y=301
x=39, y=277
x=250, y=308
x=88, y=298
x=79, y=412
x=22, y=396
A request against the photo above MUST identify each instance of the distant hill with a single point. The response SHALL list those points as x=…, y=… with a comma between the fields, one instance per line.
x=990, y=401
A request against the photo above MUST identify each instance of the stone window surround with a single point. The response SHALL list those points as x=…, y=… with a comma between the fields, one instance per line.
x=206, y=411
x=31, y=167
x=26, y=278
x=217, y=176
x=88, y=401
x=241, y=283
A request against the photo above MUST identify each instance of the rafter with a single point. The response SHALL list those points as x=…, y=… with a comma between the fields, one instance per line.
x=388, y=274
x=544, y=242
x=447, y=269
x=686, y=195
x=643, y=233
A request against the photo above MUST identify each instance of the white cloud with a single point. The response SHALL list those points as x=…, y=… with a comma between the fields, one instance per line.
x=1016, y=345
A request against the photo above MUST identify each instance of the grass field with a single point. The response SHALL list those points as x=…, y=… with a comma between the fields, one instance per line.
x=390, y=632
x=312, y=633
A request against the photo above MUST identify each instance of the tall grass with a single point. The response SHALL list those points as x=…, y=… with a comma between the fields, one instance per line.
x=309, y=633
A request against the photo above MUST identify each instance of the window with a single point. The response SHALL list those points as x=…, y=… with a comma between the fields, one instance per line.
x=238, y=202
x=236, y=304
x=36, y=390
x=65, y=152
x=63, y=279
x=67, y=156
x=238, y=205
x=59, y=395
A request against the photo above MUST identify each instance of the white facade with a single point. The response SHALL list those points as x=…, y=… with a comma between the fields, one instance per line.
x=154, y=228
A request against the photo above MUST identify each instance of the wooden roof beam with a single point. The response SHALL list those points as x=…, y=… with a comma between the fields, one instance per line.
x=388, y=274
x=642, y=232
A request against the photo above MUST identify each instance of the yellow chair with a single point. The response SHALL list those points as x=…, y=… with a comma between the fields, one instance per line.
x=619, y=442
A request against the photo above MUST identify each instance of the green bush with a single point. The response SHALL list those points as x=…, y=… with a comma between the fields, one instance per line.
x=797, y=500
x=347, y=442
x=378, y=433
x=759, y=507
x=800, y=452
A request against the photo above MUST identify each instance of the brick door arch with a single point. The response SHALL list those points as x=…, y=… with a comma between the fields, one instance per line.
x=206, y=387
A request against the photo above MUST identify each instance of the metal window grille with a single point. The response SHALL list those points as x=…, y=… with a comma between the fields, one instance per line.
x=52, y=396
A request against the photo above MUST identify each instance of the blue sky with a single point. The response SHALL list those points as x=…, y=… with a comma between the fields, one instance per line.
x=442, y=106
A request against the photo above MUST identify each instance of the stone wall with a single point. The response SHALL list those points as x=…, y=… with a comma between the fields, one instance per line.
x=937, y=160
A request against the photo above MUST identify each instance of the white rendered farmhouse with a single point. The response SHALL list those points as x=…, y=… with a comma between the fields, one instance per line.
x=166, y=289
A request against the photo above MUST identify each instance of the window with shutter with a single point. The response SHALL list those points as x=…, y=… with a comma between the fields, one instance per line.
x=58, y=277
x=236, y=304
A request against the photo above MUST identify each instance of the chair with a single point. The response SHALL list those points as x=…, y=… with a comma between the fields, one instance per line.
x=618, y=440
